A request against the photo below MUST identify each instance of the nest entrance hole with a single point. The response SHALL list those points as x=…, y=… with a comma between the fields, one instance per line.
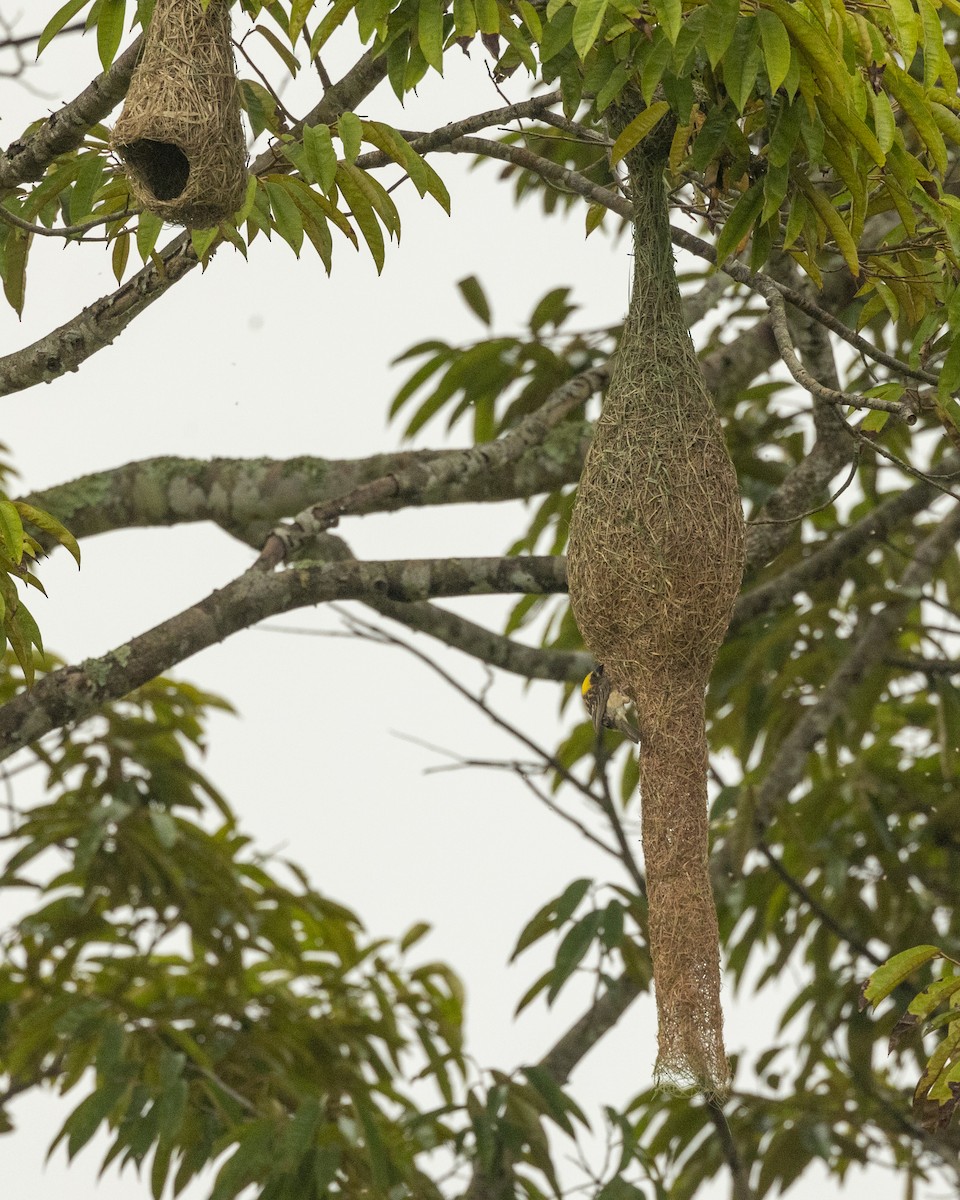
x=163, y=166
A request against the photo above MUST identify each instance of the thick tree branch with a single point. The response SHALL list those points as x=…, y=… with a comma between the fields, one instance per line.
x=418, y=481
x=597, y=1021
x=65, y=129
x=248, y=497
x=74, y=693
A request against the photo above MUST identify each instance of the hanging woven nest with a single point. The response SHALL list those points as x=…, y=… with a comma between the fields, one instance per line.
x=179, y=134
x=654, y=564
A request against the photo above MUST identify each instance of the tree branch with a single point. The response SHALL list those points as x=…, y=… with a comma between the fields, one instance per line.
x=571, y=181
x=65, y=129
x=418, y=481
x=65, y=348
x=868, y=647
x=597, y=1021
x=74, y=693
x=829, y=557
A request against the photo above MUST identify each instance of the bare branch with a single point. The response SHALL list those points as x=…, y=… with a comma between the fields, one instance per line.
x=64, y=231
x=74, y=693
x=418, y=481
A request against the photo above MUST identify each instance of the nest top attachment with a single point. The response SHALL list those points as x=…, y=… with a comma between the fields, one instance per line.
x=180, y=135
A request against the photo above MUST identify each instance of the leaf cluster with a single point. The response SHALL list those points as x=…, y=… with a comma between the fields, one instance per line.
x=225, y=1008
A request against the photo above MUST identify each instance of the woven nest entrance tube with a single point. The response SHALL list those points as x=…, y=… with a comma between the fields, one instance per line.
x=655, y=560
x=179, y=134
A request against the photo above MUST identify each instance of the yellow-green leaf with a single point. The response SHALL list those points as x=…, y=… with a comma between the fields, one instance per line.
x=908, y=28
x=834, y=223
x=488, y=16
x=110, y=29
x=670, y=15
x=895, y=970
x=638, y=129
x=740, y=222
x=907, y=92
x=334, y=18
x=430, y=32
x=11, y=530
x=57, y=22
x=351, y=133
x=586, y=25
x=776, y=47
x=48, y=524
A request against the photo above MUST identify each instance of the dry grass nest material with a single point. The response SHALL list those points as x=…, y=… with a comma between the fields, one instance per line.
x=180, y=135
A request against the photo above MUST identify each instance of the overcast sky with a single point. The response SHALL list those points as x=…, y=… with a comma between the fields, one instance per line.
x=270, y=357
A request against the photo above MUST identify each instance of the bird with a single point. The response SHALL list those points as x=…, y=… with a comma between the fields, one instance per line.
x=606, y=705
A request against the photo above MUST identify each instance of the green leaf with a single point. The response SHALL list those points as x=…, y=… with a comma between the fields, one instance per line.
x=351, y=134
x=908, y=28
x=57, y=22
x=551, y=309
x=363, y=214
x=740, y=222
x=570, y=898
x=776, y=47
x=148, y=230
x=531, y=18
x=884, y=122
x=575, y=944
x=895, y=970
x=286, y=214
x=933, y=48
x=586, y=25
x=110, y=20
x=20, y=646
x=670, y=15
x=826, y=64
x=637, y=130
x=376, y=194
x=320, y=155
x=422, y=175
x=742, y=63
x=121, y=252
x=430, y=32
x=11, y=531
x=464, y=18
x=44, y=521
x=14, y=267
x=415, y=934
x=834, y=223
x=718, y=27
x=289, y=60
x=299, y=11
x=559, y=1103
x=330, y=23
x=594, y=218
x=476, y=298
x=86, y=1118
x=488, y=15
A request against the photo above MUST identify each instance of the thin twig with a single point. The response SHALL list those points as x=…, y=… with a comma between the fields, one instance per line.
x=66, y=230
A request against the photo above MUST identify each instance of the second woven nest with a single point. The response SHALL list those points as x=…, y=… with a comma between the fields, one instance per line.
x=180, y=135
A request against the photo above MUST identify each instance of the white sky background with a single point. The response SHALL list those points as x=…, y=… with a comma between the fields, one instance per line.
x=270, y=357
